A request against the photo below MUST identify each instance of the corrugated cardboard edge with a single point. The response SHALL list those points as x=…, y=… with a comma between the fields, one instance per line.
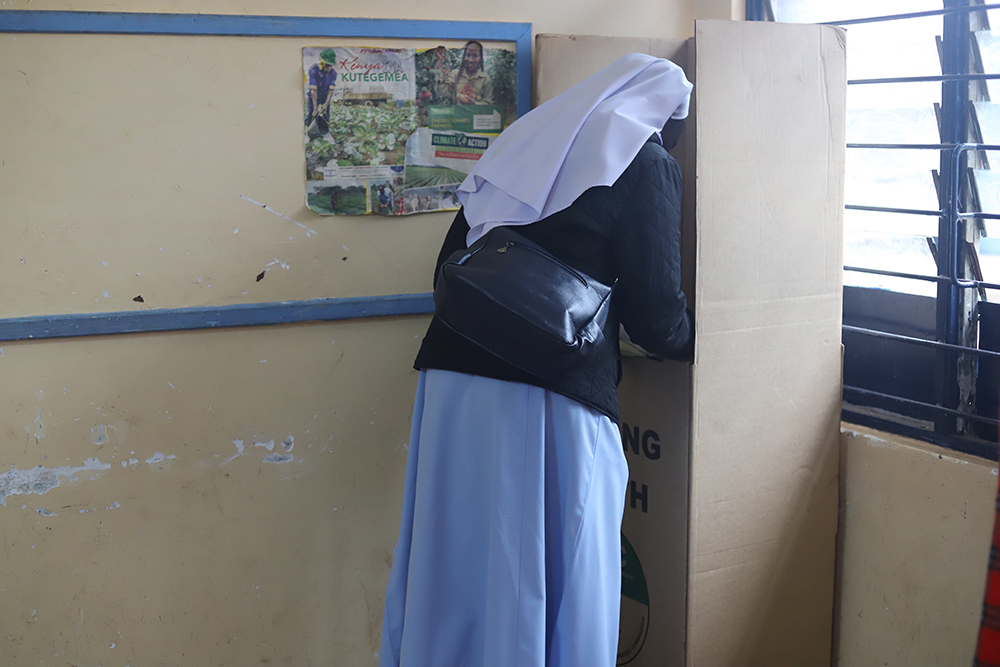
x=770, y=102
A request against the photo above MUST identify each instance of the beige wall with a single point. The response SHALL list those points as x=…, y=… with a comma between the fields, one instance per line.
x=915, y=524
x=213, y=497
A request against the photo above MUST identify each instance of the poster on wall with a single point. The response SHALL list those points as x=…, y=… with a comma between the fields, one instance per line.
x=395, y=131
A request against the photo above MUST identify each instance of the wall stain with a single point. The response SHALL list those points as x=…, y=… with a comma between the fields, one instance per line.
x=160, y=462
x=239, y=452
x=39, y=480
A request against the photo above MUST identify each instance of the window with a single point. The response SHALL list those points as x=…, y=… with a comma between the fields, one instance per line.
x=922, y=222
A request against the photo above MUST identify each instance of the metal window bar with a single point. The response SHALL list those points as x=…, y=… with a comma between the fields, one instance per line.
x=915, y=276
x=888, y=209
x=897, y=274
x=924, y=79
x=921, y=404
x=961, y=9
x=961, y=349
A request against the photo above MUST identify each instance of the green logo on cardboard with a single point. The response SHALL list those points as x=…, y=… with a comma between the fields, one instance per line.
x=634, y=623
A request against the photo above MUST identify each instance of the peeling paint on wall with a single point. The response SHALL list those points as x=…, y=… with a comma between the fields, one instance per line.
x=161, y=462
x=120, y=428
x=279, y=263
x=309, y=232
x=100, y=434
x=269, y=445
x=239, y=451
x=39, y=480
x=278, y=458
x=289, y=442
x=37, y=428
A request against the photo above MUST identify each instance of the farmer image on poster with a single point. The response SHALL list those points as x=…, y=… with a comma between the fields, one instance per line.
x=320, y=85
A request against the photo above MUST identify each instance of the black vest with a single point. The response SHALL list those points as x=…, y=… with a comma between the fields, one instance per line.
x=630, y=232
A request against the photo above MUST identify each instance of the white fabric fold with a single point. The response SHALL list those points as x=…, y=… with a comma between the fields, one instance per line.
x=585, y=136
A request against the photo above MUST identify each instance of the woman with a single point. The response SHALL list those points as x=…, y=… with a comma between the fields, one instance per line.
x=509, y=549
x=469, y=84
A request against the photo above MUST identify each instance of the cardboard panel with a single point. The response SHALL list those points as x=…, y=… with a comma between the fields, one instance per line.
x=763, y=162
x=655, y=424
x=917, y=522
x=769, y=171
x=770, y=123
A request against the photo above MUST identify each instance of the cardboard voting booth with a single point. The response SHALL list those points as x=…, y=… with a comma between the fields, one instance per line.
x=731, y=510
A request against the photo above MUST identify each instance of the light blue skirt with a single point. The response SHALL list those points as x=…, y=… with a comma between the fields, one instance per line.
x=509, y=551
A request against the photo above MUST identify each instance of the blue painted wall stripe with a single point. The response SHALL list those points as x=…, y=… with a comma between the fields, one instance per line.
x=131, y=23
x=249, y=25
x=239, y=315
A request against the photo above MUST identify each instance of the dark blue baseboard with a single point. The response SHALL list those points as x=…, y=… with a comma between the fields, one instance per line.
x=239, y=315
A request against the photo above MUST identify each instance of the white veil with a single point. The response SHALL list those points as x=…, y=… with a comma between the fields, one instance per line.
x=583, y=137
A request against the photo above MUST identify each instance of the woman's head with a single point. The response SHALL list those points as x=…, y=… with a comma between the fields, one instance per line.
x=672, y=132
x=472, y=58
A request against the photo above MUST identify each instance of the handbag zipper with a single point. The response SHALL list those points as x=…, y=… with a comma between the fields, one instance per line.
x=511, y=244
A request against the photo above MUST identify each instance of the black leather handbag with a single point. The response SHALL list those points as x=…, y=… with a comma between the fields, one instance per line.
x=509, y=296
